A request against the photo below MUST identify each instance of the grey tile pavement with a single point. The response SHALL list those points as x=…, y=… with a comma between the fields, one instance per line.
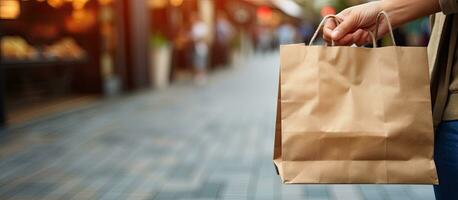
x=185, y=143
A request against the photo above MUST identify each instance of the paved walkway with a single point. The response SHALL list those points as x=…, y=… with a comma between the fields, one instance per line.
x=186, y=142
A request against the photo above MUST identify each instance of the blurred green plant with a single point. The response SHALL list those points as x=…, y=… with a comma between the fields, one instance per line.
x=158, y=40
x=235, y=42
x=340, y=5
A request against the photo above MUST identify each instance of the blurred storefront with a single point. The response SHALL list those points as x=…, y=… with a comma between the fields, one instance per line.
x=59, y=54
x=172, y=25
x=233, y=31
x=50, y=52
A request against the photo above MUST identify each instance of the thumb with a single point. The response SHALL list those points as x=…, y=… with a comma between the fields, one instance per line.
x=347, y=26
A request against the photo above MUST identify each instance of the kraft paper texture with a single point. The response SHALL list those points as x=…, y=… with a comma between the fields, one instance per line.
x=354, y=115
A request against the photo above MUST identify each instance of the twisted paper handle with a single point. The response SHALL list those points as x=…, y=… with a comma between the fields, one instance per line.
x=320, y=27
x=387, y=18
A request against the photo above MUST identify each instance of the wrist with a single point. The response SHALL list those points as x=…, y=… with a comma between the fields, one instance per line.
x=395, y=10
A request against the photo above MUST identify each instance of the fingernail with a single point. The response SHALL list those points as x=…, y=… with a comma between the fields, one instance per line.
x=335, y=34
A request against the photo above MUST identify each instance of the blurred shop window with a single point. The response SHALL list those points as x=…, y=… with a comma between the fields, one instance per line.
x=51, y=54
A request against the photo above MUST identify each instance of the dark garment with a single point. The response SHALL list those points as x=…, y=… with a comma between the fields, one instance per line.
x=443, y=55
x=443, y=58
x=446, y=158
x=444, y=78
x=449, y=6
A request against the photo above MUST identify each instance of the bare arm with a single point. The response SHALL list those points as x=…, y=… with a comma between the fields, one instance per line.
x=403, y=11
x=358, y=20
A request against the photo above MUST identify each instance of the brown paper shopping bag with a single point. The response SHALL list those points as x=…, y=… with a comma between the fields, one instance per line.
x=354, y=115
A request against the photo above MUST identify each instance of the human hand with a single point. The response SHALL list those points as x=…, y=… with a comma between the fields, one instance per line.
x=355, y=24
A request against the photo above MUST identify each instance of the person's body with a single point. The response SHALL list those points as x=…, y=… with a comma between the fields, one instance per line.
x=223, y=37
x=264, y=39
x=286, y=33
x=181, y=47
x=199, y=36
x=443, y=58
x=306, y=31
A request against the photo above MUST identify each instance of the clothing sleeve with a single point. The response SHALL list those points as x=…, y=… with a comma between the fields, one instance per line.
x=449, y=6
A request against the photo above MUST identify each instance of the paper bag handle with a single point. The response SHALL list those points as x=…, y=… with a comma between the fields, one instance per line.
x=377, y=24
x=320, y=27
x=337, y=20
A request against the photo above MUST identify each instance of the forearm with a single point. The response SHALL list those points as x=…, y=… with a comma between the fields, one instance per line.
x=402, y=11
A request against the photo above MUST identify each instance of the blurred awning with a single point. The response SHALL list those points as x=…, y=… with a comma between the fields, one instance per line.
x=289, y=7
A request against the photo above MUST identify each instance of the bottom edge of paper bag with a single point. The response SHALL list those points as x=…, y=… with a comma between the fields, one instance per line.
x=279, y=168
x=311, y=172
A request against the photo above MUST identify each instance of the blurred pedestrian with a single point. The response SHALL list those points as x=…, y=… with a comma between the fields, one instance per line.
x=224, y=36
x=199, y=35
x=181, y=49
x=306, y=31
x=286, y=33
x=443, y=54
x=264, y=37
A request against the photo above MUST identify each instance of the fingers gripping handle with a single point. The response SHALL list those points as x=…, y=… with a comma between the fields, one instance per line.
x=337, y=20
x=320, y=27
